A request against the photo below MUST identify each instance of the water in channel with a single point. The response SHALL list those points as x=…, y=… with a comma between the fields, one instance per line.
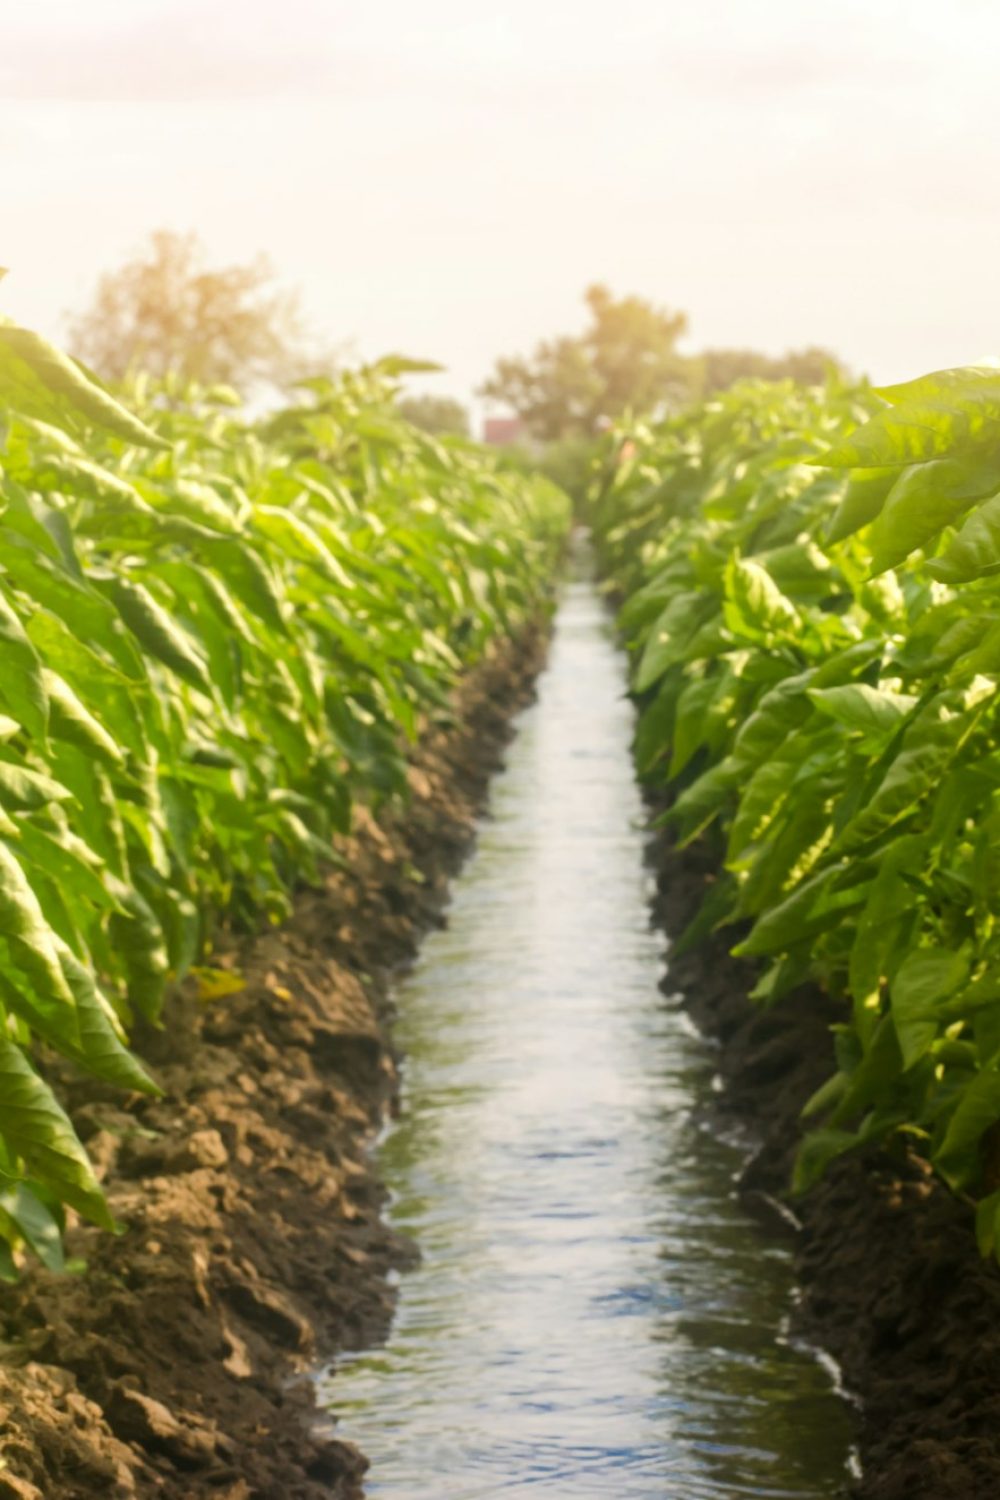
x=595, y=1314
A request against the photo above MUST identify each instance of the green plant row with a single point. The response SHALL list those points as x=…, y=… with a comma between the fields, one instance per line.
x=812, y=594
x=216, y=637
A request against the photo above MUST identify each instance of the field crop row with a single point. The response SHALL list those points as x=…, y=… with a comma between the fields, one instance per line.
x=217, y=635
x=812, y=596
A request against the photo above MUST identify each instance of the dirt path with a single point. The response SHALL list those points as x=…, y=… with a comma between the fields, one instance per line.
x=254, y=1243
x=893, y=1285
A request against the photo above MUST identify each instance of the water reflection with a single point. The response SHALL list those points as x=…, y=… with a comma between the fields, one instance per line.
x=595, y=1314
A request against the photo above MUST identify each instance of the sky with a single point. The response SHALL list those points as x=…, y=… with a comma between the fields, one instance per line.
x=444, y=178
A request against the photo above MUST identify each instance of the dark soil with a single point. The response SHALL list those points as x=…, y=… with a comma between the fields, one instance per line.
x=253, y=1243
x=892, y=1282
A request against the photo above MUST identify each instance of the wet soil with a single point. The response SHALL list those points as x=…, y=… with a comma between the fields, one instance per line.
x=253, y=1242
x=892, y=1282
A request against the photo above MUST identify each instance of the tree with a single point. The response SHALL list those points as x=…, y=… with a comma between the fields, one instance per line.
x=721, y=368
x=626, y=357
x=438, y=415
x=164, y=311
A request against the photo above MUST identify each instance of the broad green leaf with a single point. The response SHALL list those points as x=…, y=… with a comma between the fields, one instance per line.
x=31, y=1219
x=988, y=1224
x=754, y=601
x=102, y=1050
x=779, y=712
x=248, y=579
x=77, y=603
x=113, y=699
x=873, y=711
x=41, y=381
x=296, y=538
x=22, y=690
x=866, y=493
x=32, y=949
x=72, y=722
x=24, y=790
x=907, y=781
x=197, y=502
x=975, y=551
x=699, y=803
x=818, y=1149
x=139, y=938
x=654, y=734
x=762, y=798
x=977, y=1110
x=924, y=500
x=158, y=634
x=925, y=978
x=814, y=904
x=67, y=860
x=692, y=705
x=668, y=638
x=38, y=1130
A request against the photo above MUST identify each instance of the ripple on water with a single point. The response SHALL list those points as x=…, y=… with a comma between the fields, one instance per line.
x=595, y=1314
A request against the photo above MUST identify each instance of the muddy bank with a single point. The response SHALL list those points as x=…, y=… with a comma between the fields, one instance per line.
x=253, y=1240
x=892, y=1283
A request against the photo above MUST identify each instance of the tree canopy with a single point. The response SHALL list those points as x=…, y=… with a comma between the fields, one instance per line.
x=438, y=415
x=721, y=368
x=165, y=311
x=626, y=356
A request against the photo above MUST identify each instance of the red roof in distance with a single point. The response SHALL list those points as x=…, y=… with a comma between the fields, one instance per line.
x=502, y=430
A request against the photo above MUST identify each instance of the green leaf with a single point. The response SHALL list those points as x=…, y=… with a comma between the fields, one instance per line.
x=978, y=1108
x=975, y=551
x=695, y=699
x=873, y=711
x=863, y=498
x=762, y=798
x=158, y=634
x=925, y=978
x=699, y=803
x=667, y=640
x=102, y=1050
x=41, y=381
x=653, y=736
x=26, y=790
x=50, y=583
x=818, y=1149
x=248, y=579
x=779, y=712
x=22, y=690
x=72, y=722
x=35, y=1223
x=879, y=929
x=110, y=696
x=929, y=417
x=907, y=781
x=923, y=501
x=197, y=502
x=394, y=365
x=754, y=601
x=988, y=1224
x=32, y=947
x=38, y=1130
x=68, y=862
x=814, y=904
x=138, y=936
x=297, y=539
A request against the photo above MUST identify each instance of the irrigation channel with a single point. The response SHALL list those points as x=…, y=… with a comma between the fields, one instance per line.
x=595, y=1314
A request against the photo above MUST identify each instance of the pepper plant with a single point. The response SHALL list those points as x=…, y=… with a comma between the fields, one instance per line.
x=812, y=595
x=218, y=636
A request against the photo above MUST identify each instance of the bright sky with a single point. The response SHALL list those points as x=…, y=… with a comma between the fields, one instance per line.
x=444, y=178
